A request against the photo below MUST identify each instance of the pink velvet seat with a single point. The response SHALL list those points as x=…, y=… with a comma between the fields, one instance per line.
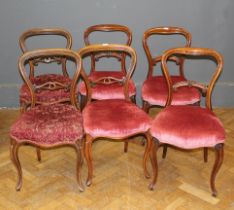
x=110, y=91
x=107, y=91
x=50, y=95
x=47, y=126
x=189, y=127
x=154, y=91
x=183, y=131
x=114, y=117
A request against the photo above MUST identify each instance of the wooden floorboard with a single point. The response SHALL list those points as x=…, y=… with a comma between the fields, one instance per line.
x=183, y=181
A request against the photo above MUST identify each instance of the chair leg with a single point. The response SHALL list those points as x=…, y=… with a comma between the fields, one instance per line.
x=15, y=159
x=205, y=154
x=79, y=164
x=126, y=146
x=145, y=107
x=164, y=151
x=82, y=101
x=38, y=154
x=218, y=162
x=88, y=156
x=146, y=154
x=153, y=159
x=133, y=99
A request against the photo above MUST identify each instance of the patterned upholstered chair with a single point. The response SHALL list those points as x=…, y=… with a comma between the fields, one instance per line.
x=113, y=119
x=48, y=94
x=100, y=91
x=189, y=127
x=154, y=89
x=48, y=126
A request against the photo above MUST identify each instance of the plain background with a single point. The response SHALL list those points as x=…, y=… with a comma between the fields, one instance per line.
x=211, y=23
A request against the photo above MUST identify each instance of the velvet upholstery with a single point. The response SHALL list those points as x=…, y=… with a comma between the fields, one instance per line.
x=107, y=91
x=155, y=91
x=46, y=95
x=114, y=118
x=188, y=127
x=48, y=125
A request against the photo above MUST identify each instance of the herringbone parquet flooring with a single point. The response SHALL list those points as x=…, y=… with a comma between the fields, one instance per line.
x=183, y=181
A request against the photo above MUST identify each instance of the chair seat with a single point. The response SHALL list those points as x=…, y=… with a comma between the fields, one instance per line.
x=114, y=118
x=155, y=91
x=188, y=127
x=49, y=125
x=46, y=95
x=110, y=91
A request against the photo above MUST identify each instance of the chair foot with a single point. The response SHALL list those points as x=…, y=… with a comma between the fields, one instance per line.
x=151, y=186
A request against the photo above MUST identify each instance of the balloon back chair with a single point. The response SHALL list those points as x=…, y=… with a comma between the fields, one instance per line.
x=189, y=127
x=49, y=93
x=111, y=91
x=154, y=89
x=113, y=119
x=47, y=126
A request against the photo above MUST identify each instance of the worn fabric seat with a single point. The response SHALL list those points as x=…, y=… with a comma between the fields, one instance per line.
x=49, y=125
x=154, y=91
x=183, y=131
x=107, y=91
x=46, y=125
x=48, y=96
x=115, y=117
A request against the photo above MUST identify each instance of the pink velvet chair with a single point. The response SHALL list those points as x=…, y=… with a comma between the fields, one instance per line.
x=47, y=126
x=189, y=127
x=113, y=119
x=48, y=94
x=154, y=89
x=111, y=91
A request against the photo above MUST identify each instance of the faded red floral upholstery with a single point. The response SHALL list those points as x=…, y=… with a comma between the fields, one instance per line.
x=155, y=91
x=112, y=91
x=188, y=127
x=116, y=118
x=46, y=95
x=49, y=125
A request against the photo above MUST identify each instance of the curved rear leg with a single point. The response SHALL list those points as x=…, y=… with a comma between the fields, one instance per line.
x=218, y=162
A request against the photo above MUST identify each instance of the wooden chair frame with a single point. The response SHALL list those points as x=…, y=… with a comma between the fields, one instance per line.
x=89, y=139
x=199, y=52
x=78, y=145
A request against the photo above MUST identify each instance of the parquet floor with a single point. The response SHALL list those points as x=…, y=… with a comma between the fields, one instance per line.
x=183, y=181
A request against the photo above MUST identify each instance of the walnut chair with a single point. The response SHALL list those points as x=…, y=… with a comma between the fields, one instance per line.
x=154, y=89
x=48, y=93
x=47, y=126
x=113, y=119
x=111, y=91
x=189, y=127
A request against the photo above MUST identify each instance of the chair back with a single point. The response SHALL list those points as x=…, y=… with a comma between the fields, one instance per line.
x=164, y=31
x=36, y=32
x=46, y=54
x=111, y=28
x=111, y=48
x=194, y=53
